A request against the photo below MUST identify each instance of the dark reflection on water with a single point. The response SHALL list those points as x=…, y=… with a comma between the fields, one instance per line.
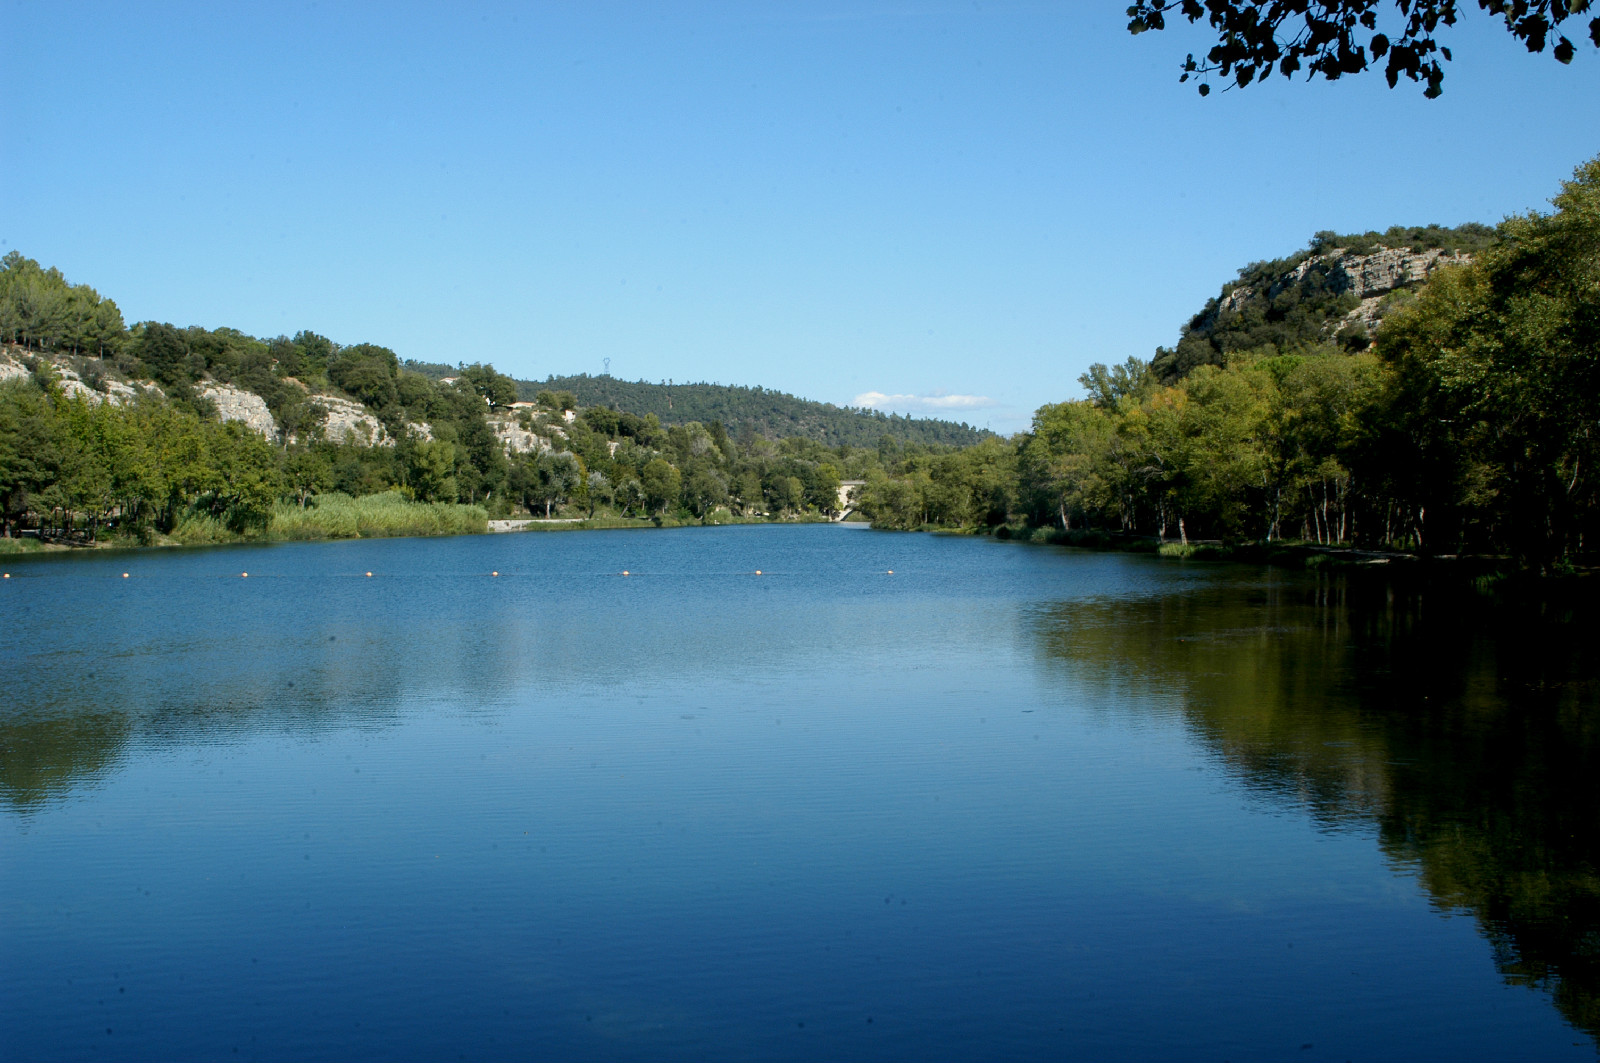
x=1007, y=801
x=1467, y=728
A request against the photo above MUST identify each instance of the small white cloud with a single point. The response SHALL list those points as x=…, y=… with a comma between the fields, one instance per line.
x=938, y=402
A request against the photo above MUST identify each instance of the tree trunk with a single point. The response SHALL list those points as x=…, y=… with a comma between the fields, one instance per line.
x=1183, y=533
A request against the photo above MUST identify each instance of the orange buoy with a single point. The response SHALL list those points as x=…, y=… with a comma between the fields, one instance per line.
x=625, y=572
x=758, y=572
x=8, y=575
x=494, y=573
x=244, y=575
x=369, y=575
x=124, y=575
x=891, y=572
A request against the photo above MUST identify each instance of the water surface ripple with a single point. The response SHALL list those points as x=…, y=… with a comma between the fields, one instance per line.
x=498, y=799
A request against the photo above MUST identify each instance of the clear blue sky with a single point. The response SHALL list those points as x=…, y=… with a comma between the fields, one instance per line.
x=833, y=199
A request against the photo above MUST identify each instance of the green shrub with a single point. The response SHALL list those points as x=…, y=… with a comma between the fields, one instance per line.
x=337, y=516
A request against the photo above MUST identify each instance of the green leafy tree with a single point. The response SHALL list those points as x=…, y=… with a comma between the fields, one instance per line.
x=1066, y=463
x=496, y=388
x=1335, y=38
x=661, y=483
x=600, y=491
x=431, y=471
x=704, y=490
x=306, y=473
x=1497, y=386
x=558, y=476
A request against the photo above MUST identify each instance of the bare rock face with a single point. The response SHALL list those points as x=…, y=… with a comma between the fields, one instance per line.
x=1368, y=277
x=1389, y=268
x=118, y=393
x=246, y=407
x=515, y=438
x=72, y=385
x=347, y=421
x=11, y=369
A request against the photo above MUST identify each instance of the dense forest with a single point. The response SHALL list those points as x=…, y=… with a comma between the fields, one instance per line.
x=108, y=432
x=1465, y=422
x=1468, y=423
x=74, y=469
x=773, y=414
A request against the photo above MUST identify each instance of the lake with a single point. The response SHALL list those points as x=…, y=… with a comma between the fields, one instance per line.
x=1001, y=801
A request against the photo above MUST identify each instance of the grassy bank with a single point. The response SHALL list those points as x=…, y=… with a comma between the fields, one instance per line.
x=336, y=516
x=614, y=519
x=26, y=546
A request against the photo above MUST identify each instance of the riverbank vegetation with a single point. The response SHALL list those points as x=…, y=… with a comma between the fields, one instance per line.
x=118, y=432
x=1468, y=423
x=154, y=469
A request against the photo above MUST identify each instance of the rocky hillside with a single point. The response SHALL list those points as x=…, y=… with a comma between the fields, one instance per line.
x=333, y=417
x=308, y=386
x=1337, y=290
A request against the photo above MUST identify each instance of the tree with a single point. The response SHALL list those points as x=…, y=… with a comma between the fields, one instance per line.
x=600, y=490
x=788, y=494
x=1332, y=38
x=431, y=471
x=367, y=373
x=556, y=477
x=1497, y=369
x=496, y=388
x=704, y=489
x=1065, y=462
x=661, y=482
x=306, y=472
x=556, y=400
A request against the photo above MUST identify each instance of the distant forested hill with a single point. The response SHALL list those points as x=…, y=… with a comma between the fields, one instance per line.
x=773, y=414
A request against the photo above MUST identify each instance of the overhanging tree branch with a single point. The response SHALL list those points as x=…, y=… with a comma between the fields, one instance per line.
x=1332, y=38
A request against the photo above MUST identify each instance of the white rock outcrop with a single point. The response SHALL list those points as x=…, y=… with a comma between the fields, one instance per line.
x=1386, y=269
x=246, y=407
x=347, y=421
x=515, y=438
x=1368, y=277
x=71, y=384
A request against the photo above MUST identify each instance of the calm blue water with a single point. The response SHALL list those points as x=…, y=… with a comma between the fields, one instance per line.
x=1008, y=801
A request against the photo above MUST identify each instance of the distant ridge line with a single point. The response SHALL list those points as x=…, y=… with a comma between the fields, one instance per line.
x=744, y=408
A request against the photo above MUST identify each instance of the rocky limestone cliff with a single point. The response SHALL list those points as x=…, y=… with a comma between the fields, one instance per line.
x=343, y=420
x=515, y=438
x=347, y=421
x=1368, y=277
x=246, y=407
x=72, y=385
x=1364, y=276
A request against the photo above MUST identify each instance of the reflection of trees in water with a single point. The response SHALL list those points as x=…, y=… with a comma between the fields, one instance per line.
x=1467, y=730
x=58, y=735
x=44, y=759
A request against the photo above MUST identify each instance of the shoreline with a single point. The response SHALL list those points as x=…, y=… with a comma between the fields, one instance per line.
x=1482, y=569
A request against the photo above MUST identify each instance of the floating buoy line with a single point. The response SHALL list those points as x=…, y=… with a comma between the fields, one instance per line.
x=493, y=573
